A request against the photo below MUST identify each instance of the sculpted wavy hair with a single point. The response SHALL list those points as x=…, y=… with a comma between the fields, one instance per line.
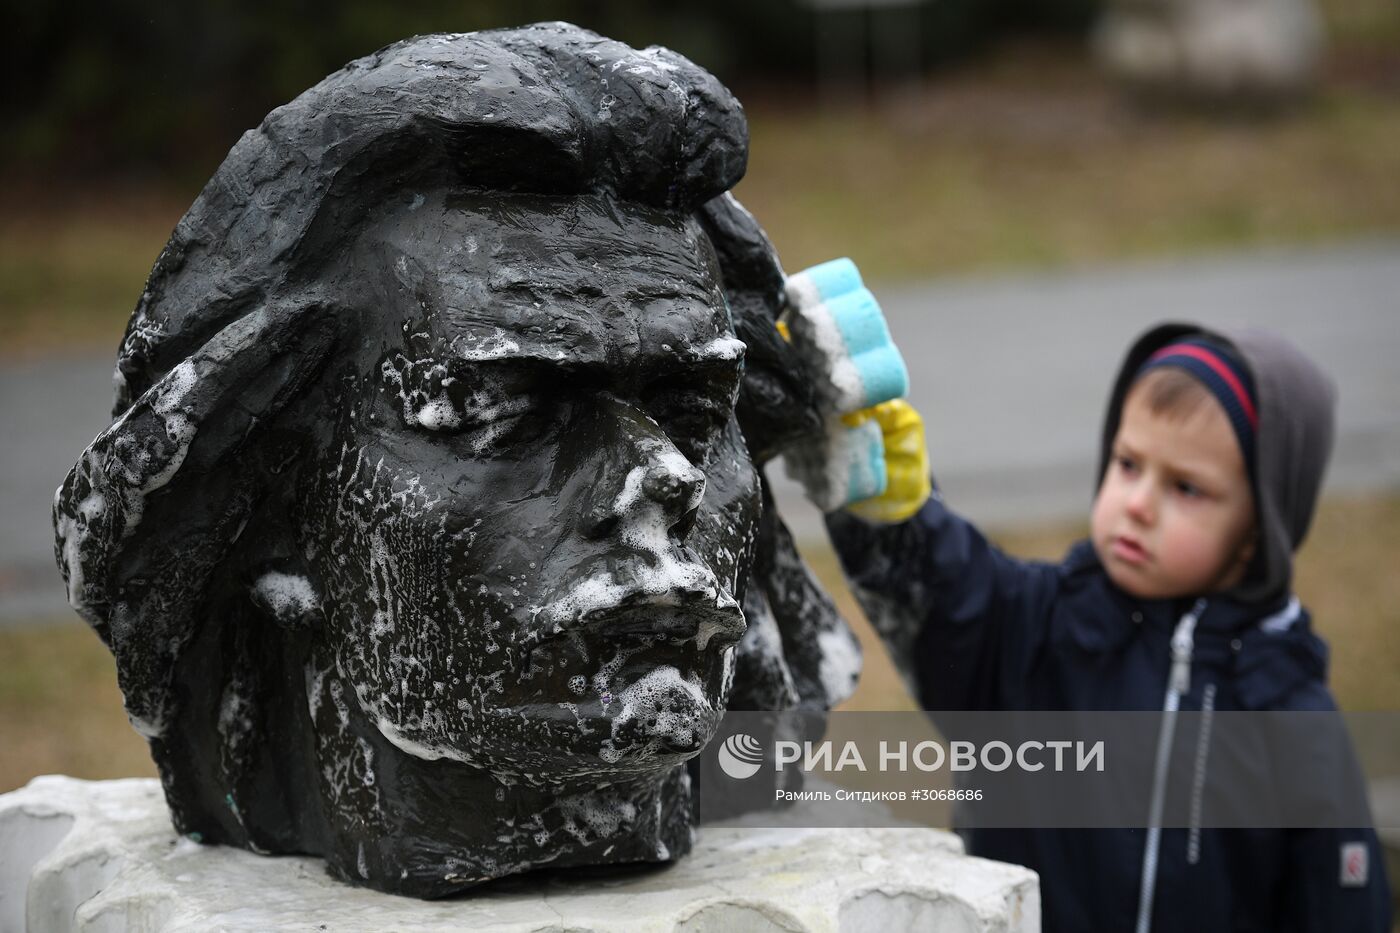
x=173, y=512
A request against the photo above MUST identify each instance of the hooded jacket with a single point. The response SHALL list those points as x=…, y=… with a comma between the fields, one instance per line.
x=971, y=628
x=1296, y=401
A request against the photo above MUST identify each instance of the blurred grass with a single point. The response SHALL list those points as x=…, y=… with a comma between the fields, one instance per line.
x=1027, y=158
x=72, y=264
x=60, y=709
x=1036, y=163
x=1358, y=26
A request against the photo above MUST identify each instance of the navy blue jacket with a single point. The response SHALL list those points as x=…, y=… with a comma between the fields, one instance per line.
x=976, y=629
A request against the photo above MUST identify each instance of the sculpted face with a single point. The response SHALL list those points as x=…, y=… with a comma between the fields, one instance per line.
x=532, y=521
x=421, y=531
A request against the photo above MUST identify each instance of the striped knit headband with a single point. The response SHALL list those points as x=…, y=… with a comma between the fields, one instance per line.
x=1225, y=376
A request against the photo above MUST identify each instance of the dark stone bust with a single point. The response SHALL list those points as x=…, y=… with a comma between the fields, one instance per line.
x=430, y=535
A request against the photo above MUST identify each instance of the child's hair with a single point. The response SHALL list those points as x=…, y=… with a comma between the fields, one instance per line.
x=1206, y=369
x=1172, y=392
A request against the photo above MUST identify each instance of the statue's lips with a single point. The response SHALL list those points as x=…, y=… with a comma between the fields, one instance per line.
x=672, y=617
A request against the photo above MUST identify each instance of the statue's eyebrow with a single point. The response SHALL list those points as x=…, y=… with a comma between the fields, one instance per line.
x=715, y=376
x=723, y=349
x=535, y=360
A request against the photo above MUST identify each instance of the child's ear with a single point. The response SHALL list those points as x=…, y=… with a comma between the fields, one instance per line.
x=1248, y=549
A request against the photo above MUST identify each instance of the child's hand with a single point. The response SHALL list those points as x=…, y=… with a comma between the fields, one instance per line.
x=907, y=485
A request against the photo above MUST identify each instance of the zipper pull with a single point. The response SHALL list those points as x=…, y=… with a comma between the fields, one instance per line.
x=1183, y=640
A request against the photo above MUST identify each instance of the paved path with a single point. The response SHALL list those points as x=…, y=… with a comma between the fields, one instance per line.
x=51, y=410
x=1010, y=373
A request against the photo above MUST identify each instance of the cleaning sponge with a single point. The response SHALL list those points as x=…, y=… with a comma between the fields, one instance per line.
x=836, y=327
x=840, y=334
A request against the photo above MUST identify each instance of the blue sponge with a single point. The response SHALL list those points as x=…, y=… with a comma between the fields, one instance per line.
x=843, y=464
x=840, y=334
x=831, y=278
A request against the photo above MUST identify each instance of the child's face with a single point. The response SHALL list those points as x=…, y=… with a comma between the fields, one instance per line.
x=1175, y=513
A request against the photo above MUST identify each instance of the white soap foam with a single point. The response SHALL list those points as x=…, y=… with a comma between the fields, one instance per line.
x=729, y=661
x=602, y=816
x=437, y=414
x=233, y=712
x=839, y=668
x=289, y=596
x=643, y=525
x=170, y=393
x=653, y=696
x=818, y=339
x=146, y=728
x=723, y=348
x=314, y=681
x=411, y=746
x=165, y=399
x=486, y=408
x=800, y=289
x=485, y=348
x=72, y=533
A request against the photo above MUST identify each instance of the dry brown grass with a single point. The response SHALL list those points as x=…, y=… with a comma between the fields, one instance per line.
x=72, y=266
x=60, y=709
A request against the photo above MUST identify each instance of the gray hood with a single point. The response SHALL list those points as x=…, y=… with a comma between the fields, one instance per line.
x=1297, y=404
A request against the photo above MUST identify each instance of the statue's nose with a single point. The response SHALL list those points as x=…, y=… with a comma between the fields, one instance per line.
x=674, y=483
x=646, y=469
x=677, y=486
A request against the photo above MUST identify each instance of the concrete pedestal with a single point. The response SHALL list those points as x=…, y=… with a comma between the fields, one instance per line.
x=101, y=856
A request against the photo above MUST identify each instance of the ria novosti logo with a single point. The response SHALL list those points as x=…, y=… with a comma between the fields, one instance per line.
x=740, y=756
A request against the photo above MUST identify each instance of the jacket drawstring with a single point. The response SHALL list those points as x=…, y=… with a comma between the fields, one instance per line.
x=1198, y=784
x=1178, y=683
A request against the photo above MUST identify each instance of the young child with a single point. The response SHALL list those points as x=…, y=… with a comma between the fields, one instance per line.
x=1212, y=455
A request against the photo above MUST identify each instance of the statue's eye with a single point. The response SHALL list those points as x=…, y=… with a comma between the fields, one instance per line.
x=482, y=404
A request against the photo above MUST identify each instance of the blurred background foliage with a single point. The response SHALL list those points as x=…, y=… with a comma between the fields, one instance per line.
x=137, y=87
x=939, y=137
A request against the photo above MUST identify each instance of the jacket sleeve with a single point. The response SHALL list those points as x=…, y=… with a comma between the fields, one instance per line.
x=1334, y=879
x=963, y=621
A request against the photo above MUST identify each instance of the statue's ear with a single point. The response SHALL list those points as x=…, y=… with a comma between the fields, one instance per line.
x=776, y=403
x=820, y=656
x=156, y=502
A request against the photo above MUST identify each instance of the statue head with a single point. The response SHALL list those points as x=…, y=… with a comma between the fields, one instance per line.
x=431, y=515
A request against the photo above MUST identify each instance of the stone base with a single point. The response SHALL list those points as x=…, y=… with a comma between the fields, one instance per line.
x=101, y=856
